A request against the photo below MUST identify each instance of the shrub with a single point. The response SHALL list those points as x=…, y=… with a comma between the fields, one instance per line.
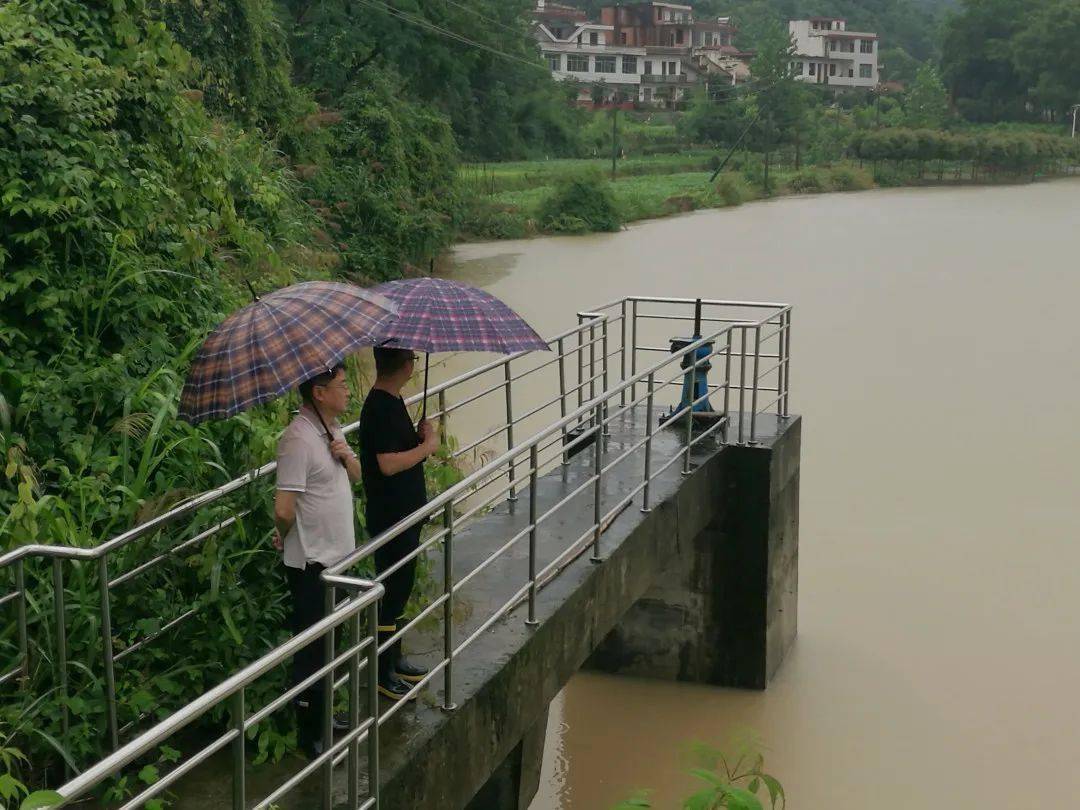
x=807, y=181
x=845, y=178
x=730, y=190
x=585, y=202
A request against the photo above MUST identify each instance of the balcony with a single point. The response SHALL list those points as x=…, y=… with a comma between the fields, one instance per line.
x=653, y=78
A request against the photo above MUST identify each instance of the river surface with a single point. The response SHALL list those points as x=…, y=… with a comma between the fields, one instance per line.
x=935, y=360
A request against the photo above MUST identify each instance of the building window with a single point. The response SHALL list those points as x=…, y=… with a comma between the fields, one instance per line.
x=554, y=61
x=605, y=64
x=866, y=46
x=798, y=68
x=622, y=37
x=577, y=63
x=811, y=68
x=593, y=38
x=866, y=71
x=648, y=67
x=648, y=95
x=629, y=64
x=679, y=37
x=851, y=73
x=832, y=70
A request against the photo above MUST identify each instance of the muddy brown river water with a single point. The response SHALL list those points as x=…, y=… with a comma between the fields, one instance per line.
x=935, y=361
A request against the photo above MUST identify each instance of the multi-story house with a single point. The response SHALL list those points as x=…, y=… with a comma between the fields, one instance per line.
x=827, y=53
x=649, y=52
x=578, y=50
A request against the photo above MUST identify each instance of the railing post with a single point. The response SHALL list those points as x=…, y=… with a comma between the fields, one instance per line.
x=785, y=340
x=580, y=360
x=633, y=349
x=328, y=703
x=562, y=396
x=754, y=396
x=690, y=411
x=20, y=607
x=648, y=443
x=533, y=477
x=510, y=429
x=742, y=382
x=373, y=701
x=61, y=646
x=727, y=385
x=592, y=363
x=598, y=473
x=622, y=354
x=604, y=371
x=353, y=760
x=107, y=653
x=239, y=793
x=448, y=607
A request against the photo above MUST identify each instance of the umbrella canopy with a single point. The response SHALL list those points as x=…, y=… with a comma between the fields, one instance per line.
x=437, y=315
x=278, y=341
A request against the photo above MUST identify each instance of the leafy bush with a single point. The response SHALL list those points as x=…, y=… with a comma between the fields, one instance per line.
x=730, y=190
x=807, y=181
x=582, y=204
x=845, y=178
x=733, y=781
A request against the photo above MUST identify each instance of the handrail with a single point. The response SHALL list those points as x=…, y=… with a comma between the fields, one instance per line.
x=369, y=592
x=588, y=421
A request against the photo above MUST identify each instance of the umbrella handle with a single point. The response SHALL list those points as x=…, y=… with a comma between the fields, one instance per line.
x=423, y=402
x=329, y=435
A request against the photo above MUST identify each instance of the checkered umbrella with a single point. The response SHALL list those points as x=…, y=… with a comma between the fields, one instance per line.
x=277, y=342
x=437, y=315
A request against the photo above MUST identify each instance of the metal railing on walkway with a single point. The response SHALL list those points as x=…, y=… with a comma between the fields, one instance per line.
x=600, y=370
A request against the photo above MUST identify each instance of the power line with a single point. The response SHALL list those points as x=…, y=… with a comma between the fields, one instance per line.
x=486, y=19
x=445, y=32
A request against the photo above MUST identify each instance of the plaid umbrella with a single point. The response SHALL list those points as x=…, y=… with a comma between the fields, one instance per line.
x=277, y=342
x=437, y=315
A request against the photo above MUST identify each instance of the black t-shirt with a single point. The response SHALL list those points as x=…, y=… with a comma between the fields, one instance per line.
x=385, y=427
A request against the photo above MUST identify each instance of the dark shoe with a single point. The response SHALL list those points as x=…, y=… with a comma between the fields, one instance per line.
x=341, y=722
x=312, y=748
x=408, y=671
x=393, y=688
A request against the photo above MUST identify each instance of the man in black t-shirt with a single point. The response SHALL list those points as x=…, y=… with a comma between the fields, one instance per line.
x=392, y=454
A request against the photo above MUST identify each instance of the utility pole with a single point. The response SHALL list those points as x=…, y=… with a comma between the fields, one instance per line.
x=1075, y=111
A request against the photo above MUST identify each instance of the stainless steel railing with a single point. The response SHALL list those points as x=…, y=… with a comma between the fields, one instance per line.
x=743, y=338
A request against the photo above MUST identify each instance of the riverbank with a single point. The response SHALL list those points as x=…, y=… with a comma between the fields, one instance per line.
x=654, y=188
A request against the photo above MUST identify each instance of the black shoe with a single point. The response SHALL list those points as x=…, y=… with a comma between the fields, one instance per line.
x=393, y=688
x=408, y=671
x=341, y=722
x=312, y=748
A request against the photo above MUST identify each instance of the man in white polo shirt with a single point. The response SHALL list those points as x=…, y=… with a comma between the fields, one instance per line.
x=313, y=512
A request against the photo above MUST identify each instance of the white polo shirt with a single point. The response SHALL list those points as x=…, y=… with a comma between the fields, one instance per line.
x=324, y=531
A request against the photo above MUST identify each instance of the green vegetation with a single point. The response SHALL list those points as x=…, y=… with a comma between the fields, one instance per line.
x=580, y=205
x=1010, y=59
x=733, y=781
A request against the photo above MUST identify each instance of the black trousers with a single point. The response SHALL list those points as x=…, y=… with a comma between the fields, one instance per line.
x=399, y=585
x=308, y=607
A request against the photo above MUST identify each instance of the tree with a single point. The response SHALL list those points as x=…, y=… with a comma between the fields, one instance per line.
x=977, y=60
x=928, y=101
x=777, y=105
x=1044, y=55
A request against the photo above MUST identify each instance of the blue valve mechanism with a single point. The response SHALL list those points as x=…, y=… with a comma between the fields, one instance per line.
x=698, y=380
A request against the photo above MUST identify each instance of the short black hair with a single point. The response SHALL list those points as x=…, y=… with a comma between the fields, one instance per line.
x=389, y=360
x=322, y=378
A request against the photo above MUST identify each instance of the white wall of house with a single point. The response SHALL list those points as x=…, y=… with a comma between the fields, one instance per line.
x=848, y=60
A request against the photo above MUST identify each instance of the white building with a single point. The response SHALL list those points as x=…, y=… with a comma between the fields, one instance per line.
x=827, y=53
x=578, y=50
